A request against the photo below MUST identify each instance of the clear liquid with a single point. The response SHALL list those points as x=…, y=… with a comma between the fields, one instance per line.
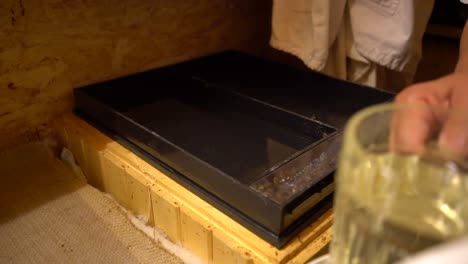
x=360, y=243
x=392, y=206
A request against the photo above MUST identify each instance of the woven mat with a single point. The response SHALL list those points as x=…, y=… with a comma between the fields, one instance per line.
x=50, y=215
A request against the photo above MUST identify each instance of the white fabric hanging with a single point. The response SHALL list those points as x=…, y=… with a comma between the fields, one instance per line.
x=372, y=42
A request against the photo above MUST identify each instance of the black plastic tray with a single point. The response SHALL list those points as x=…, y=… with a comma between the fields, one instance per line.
x=307, y=93
x=213, y=126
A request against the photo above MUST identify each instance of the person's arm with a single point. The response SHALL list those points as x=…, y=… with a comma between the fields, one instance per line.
x=462, y=65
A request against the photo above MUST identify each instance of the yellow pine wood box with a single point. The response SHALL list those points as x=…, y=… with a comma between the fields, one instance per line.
x=185, y=218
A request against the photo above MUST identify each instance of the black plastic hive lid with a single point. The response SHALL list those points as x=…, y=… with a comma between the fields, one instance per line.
x=237, y=131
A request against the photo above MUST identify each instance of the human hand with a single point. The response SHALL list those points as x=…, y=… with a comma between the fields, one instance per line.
x=443, y=110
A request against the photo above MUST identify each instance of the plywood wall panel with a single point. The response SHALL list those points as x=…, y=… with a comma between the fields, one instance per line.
x=48, y=47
